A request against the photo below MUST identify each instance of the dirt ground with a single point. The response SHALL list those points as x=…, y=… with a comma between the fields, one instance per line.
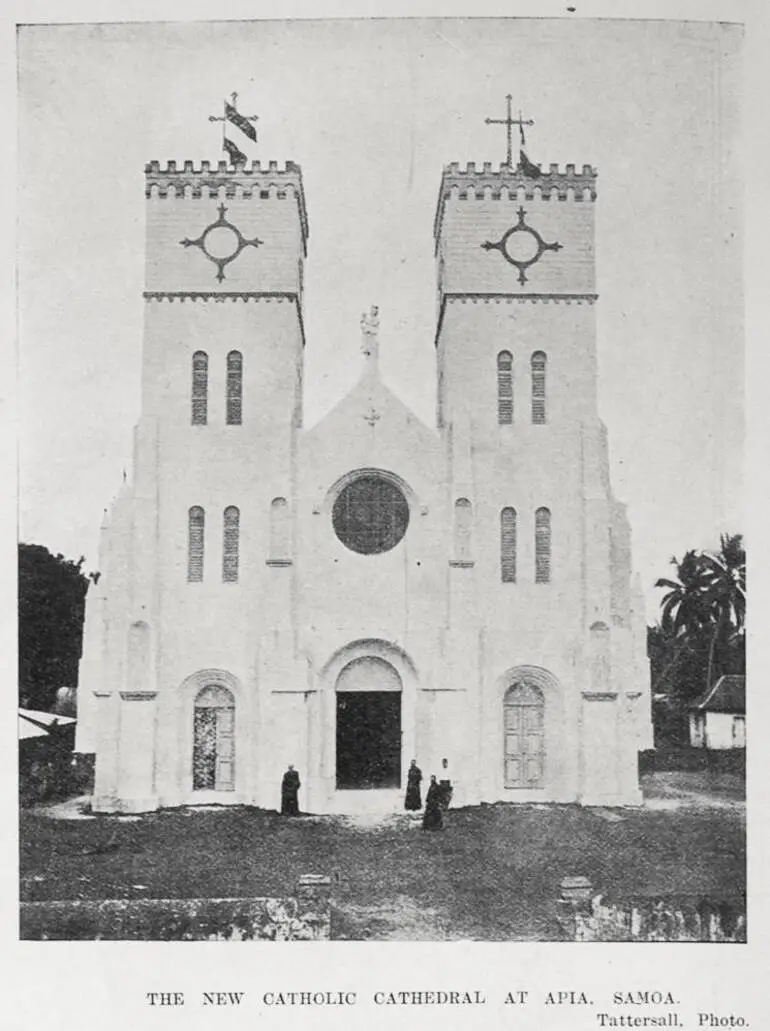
x=493, y=873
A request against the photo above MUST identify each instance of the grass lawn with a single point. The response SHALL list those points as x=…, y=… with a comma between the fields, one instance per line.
x=492, y=874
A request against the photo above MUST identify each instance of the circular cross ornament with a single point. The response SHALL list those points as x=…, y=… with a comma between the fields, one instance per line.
x=221, y=242
x=521, y=245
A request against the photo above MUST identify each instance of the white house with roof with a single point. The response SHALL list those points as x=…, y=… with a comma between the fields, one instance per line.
x=718, y=717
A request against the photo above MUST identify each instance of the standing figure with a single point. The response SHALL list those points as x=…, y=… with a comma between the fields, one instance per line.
x=432, y=819
x=413, y=778
x=445, y=784
x=290, y=786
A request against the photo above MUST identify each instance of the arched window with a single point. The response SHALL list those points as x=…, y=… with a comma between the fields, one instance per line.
x=524, y=723
x=195, y=533
x=279, y=530
x=600, y=656
x=230, y=545
x=542, y=546
x=538, y=363
x=213, y=760
x=504, y=388
x=508, y=545
x=234, y=388
x=463, y=519
x=200, y=388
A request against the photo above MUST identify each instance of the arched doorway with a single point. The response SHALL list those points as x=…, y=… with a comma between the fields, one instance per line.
x=213, y=765
x=368, y=735
x=524, y=722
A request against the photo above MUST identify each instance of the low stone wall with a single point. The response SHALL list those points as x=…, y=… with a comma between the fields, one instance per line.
x=303, y=917
x=589, y=916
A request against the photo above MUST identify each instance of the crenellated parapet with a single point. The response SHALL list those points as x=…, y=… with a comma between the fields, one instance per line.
x=213, y=180
x=474, y=176
x=490, y=182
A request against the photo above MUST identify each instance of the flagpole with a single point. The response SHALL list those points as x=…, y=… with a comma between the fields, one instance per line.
x=509, y=134
x=231, y=113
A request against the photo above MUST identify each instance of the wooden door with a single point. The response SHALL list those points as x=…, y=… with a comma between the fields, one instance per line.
x=524, y=737
x=224, y=777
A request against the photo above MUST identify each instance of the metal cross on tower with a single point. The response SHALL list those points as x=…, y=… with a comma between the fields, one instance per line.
x=509, y=123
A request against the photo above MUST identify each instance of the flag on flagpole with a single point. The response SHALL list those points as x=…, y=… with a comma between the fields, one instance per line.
x=527, y=167
x=237, y=157
x=242, y=123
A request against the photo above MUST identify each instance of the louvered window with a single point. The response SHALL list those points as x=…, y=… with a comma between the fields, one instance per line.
x=200, y=388
x=195, y=534
x=508, y=545
x=230, y=545
x=542, y=546
x=463, y=519
x=538, y=386
x=504, y=388
x=234, y=387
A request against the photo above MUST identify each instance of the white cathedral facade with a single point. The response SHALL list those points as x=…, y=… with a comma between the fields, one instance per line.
x=369, y=590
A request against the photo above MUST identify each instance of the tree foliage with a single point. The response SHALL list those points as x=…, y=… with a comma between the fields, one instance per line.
x=52, y=593
x=701, y=632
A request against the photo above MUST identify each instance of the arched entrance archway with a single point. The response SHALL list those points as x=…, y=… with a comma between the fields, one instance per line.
x=368, y=725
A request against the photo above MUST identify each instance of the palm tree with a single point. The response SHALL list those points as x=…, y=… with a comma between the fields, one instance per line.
x=726, y=572
x=706, y=603
x=725, y=594
x=685, y=608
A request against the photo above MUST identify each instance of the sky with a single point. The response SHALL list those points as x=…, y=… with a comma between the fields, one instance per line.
x=372, y=111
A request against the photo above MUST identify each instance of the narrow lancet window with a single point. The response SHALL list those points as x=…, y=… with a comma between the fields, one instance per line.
x=463, y=519
x=508, y=545
x=195, y=534
x=538, y=387
x=505, y=388
x=200, y=388
x=230, y=545
x=234, y=388
x=279, y=530
x=542, y=546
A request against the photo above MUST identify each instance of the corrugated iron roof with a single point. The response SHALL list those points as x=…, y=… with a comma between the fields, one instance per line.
x=727, y=695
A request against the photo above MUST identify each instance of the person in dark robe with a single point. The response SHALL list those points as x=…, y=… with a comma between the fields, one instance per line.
x=413, y=799
x=290, y=786
x=445, y=785
x=432, y=819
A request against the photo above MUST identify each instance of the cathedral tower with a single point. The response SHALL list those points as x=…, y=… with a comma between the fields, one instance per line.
x=212, y=489
x=546, y=593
